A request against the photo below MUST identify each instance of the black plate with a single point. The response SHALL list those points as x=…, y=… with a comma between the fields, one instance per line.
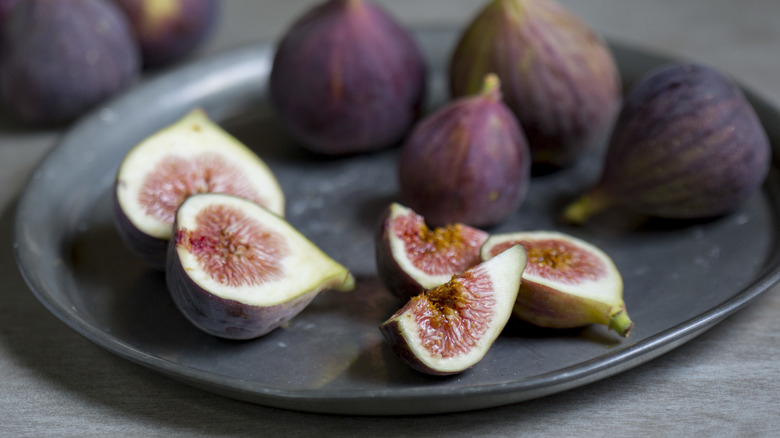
x=680, y=278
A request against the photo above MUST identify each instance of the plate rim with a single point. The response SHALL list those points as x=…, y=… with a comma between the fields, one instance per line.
x=374, y=401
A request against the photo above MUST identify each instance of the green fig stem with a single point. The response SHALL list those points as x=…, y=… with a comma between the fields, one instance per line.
x=348, y=285
x=621, y=323
x=491, y=86
x=587, y=205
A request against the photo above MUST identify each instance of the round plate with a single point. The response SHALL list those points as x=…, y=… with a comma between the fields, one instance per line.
x=680, y=278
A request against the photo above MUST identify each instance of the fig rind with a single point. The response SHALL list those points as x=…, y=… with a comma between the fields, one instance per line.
x=424, y=342
x=468, y=162
x=588, y=288
x=687, y=145
x=455, y=247
x=246, y=309
x=347, y=78
x=559, y=77
x=146, y=228
x=168, y=30
x=62, y=58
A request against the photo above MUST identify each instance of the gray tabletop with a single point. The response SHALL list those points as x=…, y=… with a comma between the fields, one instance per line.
x=724, y=383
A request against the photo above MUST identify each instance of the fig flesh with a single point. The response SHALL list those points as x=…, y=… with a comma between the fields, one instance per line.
x=60, y=58
x=558, y=77
x=468, y=162
x=347, y=78
x=450, y=328
x=687, y=145
x=167, y=30
x=411, y=257
x=238, y=271
x=567, y=282
x=193, y=155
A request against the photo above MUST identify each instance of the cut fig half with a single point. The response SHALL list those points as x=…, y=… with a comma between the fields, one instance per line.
x=238, y=271
x=450, y=328
x=193, y=155
x=567, y=283
x=411, y=257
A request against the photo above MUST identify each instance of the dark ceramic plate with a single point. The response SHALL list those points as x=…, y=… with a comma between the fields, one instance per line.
x=680, y=278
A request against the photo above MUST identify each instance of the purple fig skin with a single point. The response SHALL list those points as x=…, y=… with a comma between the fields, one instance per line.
x=558, y=76
x=222, y=317
x=168, y=30
x=60, y=58
x=347, y=78
x=468, y=162
x=149, y=248
x=687, y=145
x=394, y=277
x=5, y=9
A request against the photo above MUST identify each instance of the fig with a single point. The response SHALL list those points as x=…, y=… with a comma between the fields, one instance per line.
x=687, y=145
x=467, y=162
x=5, y=9
x=60, y=58
x=559, y=77
x=167, y=30
x=347, y=78
x=411, y=257
x=238, y=271
x=567, y=281
x=450, y=328
x=193, y=155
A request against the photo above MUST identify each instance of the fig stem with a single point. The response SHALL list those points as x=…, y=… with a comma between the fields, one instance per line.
x=621, y=323
x=491, y=86
x=584, y=207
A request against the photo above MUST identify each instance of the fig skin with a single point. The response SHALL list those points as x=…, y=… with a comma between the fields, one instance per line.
x=457, y=245
x=468, y=162
x=596, y=298
x=188, y=138
x=687, y=145
x=448, y=307
x=60, y=58
x=219, y=315
x=347, y=78
x=168, y=30
x=558, y=76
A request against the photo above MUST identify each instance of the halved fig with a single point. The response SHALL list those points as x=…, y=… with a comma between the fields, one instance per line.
x=193, y=155
x=238, y=271
x=411, y=257
x=450, y=328
x=567, y=283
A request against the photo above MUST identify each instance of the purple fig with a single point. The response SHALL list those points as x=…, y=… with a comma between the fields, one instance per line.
x=450, y=328
x=468, y=162
x=62, y=57
x=558, y=76
x=168, y=30
x=567, y=282
x=411, y=257
x=347, y=78
x=238, y=271
x=687, y=145
x=193, y=155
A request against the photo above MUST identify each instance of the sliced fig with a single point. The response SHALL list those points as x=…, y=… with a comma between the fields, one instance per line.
x=411, y=257
x=193, y=155
x=238, y=271
x=567, y=283
x=450, y=328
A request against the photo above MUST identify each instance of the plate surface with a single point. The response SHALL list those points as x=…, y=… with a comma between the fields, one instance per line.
x=680, y=278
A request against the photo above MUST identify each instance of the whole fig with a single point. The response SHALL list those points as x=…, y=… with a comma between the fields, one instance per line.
x=468, y=162
x=167, y=30
x=347, y=78
x=62, y=57
x=559, y=77
x=687, y=144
